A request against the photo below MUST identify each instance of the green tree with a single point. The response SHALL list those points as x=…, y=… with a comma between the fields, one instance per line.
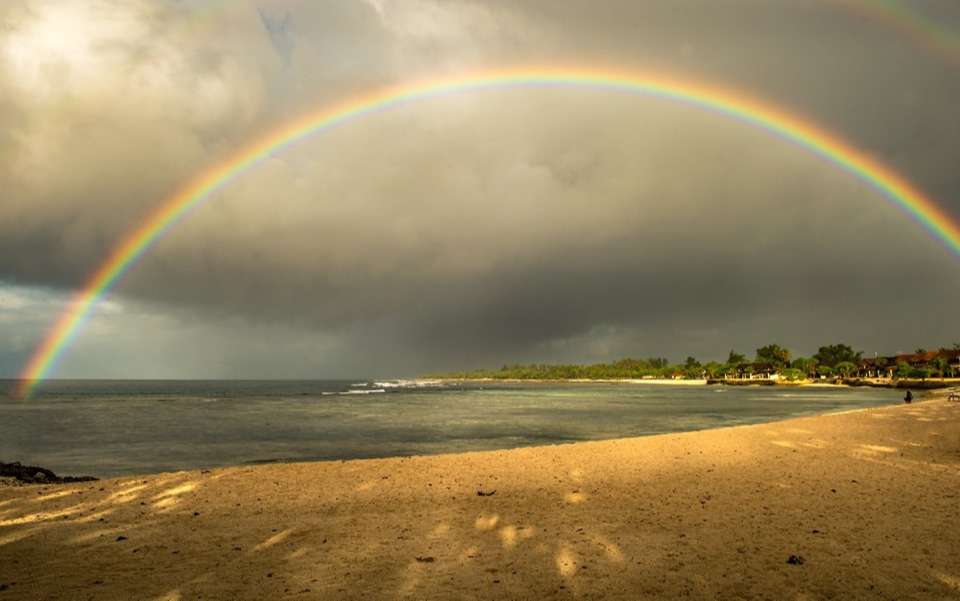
x=845, y=368
x=807, y=365
x=943, y=365
x=658, y=362
x=735, y=358
x=691, y=363
x=825, y=370
x=903, y=370
x=713, y=369
x=832, y=354
x=792, y=374
x=773, y=354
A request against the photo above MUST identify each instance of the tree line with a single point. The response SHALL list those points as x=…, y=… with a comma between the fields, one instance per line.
x=833, y=360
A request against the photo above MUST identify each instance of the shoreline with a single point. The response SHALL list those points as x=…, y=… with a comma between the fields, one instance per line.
x=659, y=381
x=70, y=479
x=903, y=384
x=863, y=500
x=75, y=471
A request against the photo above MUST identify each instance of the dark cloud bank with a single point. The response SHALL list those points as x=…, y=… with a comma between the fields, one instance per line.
x=511, y=225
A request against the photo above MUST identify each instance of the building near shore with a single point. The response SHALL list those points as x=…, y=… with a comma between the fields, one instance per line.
x=944, y=361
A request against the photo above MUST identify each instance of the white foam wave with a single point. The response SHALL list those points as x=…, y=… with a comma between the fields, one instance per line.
x=350, y=392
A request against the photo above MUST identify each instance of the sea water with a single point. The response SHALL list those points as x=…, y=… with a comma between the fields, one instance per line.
x=108, y=428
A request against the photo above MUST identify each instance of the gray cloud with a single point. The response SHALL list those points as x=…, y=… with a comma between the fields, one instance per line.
x=508, y=225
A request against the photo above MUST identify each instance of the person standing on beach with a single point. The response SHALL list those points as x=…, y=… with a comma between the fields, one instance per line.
x=908, y=398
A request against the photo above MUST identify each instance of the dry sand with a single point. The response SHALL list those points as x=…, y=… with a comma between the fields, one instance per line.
x=869, y=499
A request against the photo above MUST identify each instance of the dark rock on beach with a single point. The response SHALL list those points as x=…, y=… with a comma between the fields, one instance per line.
x=29, y=474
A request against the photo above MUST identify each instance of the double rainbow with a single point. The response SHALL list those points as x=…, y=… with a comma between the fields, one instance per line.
x=725, y=102
x=914, y=25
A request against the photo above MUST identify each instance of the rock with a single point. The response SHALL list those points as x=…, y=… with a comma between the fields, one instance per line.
x=29, y=474
x=427, y=559
x=480, y=493
x=121, y=538
x=796, y=560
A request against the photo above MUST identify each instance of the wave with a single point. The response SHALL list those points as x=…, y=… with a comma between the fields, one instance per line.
x=409, y=384
x=349, y=392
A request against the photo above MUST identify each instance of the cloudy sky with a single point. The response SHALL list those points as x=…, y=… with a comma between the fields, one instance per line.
x=478, y=228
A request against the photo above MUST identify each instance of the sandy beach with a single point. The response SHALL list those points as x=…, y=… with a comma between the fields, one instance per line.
x=858, y=505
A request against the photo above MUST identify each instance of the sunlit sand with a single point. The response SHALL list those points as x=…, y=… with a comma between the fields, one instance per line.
x=869, y=506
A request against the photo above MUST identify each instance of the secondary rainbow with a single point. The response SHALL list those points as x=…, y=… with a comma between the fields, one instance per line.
x=723, y=101
x=913, y=24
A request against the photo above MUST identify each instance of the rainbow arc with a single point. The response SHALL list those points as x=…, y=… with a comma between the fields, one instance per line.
x=727, y=102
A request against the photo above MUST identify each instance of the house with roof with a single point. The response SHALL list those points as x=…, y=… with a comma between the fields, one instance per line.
x=886, y=367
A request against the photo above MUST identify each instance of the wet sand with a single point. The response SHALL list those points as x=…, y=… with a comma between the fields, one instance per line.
x=866, y=502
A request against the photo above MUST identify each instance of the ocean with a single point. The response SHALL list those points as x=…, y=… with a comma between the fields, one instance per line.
x=110, y=428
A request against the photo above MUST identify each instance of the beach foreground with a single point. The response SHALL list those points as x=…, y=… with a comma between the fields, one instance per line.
x=860, y=505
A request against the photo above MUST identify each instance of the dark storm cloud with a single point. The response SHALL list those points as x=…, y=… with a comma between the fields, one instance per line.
x=476, y=229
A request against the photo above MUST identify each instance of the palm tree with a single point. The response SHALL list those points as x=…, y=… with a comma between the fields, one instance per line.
x=806, y=365
x=845, y=368
x=713, y=369
x=943, y=366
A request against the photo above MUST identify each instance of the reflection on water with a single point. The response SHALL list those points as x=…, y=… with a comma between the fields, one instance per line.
x=109, y=428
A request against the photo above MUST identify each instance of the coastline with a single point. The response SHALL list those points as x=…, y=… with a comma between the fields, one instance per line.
x=865, y=497
x=416, y=421
x=928, y=384
x=658, y=381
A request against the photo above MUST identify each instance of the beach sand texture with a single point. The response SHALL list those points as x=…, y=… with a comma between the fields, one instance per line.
x=868, y=500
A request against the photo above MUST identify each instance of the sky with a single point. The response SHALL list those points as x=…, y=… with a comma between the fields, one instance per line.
x=475, y=229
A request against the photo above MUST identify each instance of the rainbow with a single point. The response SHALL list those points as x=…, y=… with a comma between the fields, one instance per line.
x=921, y=30
x=726, y=102
x=914, y=25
